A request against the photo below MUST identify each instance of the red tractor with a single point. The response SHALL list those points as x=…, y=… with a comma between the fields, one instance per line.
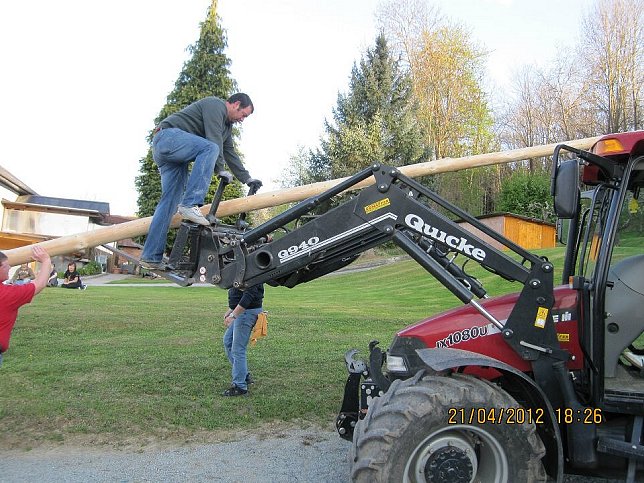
x=517, y=388
x=484, y=395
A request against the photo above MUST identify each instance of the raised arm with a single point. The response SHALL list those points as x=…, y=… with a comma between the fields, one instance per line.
x=40, y=255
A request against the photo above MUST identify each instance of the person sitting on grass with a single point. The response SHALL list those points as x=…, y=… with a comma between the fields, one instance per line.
x=53, y=277
x=23, y=275
x=72, y=278
x=12, y=297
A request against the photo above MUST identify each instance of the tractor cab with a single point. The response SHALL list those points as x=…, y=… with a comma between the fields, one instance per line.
x=605, y=265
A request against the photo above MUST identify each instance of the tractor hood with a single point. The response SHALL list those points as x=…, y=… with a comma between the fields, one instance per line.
x=465, y=328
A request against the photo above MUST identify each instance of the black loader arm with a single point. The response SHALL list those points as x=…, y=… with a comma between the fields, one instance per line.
x=393, y=209
x=396, y=208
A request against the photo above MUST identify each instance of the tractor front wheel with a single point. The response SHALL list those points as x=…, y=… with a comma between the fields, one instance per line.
x=441, y=429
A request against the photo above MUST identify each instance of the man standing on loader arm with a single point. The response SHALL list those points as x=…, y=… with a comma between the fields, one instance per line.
x=12, y=297
x=201, y=132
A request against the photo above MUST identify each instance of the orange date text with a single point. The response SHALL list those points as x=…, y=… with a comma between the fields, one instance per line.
x=483, y=415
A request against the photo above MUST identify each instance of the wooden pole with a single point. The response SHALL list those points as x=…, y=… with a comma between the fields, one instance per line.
x=80, y=241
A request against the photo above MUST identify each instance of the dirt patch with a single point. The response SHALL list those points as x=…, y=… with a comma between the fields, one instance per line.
x=140, y=441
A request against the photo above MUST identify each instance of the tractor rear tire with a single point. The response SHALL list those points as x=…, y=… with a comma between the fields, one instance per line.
x=416, y=432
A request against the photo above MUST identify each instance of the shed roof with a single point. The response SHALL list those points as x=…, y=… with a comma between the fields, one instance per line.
x=95, y=206
x=514, y=215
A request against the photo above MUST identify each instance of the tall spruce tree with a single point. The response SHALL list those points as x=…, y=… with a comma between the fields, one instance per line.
x=205, y=74
x=374, y=121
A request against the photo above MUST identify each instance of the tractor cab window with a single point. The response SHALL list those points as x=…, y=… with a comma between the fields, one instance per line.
x=629, y=239
x=628, y=245
x=594, y=206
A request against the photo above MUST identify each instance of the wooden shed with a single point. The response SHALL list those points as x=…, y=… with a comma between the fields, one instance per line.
x=529, y=233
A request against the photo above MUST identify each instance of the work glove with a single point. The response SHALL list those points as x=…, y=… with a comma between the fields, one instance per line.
x=257, y=184
x=227, y=175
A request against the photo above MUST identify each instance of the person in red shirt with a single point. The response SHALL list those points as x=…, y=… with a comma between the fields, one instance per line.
x=12, y=297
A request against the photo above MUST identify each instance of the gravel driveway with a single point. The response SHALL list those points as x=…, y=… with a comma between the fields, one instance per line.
x=301, y=455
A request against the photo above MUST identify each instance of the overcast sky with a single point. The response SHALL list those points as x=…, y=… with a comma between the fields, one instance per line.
x=82, y=81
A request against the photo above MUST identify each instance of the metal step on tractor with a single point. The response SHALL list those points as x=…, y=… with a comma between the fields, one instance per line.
x=516, y=388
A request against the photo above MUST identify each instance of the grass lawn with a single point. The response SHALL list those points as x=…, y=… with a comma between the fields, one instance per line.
x=114, y=362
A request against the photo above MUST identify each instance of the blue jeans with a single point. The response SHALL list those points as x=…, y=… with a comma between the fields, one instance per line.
x=173, y=150
x=236, y=340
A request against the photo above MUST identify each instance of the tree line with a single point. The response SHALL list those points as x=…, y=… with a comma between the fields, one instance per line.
x=418, y=94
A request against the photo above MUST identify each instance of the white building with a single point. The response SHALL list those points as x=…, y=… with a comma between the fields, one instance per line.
x=27, y=218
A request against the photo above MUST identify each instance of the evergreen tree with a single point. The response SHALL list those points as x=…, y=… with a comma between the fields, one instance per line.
x=374, y=121
x=206, y=73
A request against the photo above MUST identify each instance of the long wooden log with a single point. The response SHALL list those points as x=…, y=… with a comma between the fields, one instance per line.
x=79, y=241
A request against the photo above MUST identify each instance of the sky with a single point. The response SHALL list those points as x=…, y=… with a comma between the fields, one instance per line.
x=82, y=81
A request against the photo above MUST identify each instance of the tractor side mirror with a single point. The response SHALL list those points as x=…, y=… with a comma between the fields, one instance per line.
x=566, y=189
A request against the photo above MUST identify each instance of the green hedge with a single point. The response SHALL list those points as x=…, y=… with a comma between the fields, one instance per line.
x=92, y=268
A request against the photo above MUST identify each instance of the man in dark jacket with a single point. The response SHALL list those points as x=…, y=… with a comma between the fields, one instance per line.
x=243, y=309
x=201, y=132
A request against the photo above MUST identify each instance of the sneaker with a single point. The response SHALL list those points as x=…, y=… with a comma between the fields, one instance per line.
x=152, y=265
x=235, y=391
x=192, y=213
x=83, y=287
x=249, y=379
